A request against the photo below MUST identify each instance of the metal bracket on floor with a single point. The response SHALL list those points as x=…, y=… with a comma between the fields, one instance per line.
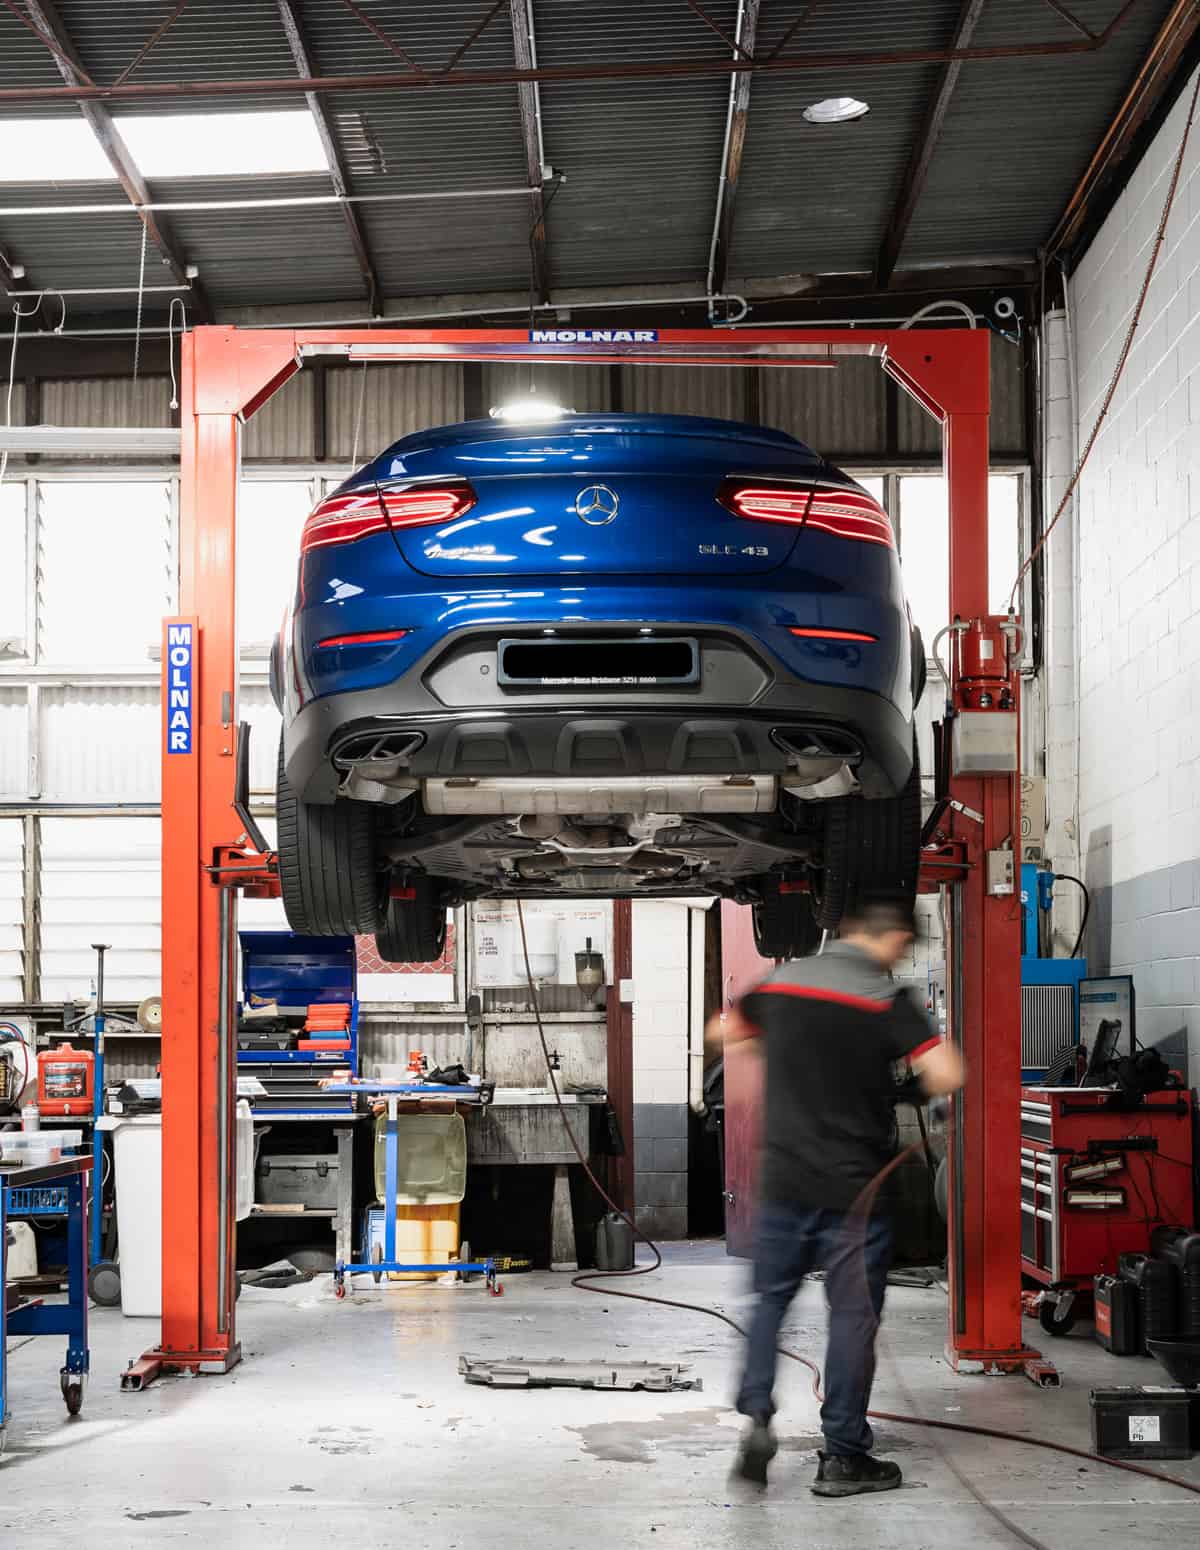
x=523, y=1372
x=1042, y=1372
x=143, y=1371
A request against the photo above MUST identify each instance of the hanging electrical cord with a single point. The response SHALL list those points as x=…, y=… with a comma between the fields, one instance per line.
x=18, y=314
x=857, y=1219
x=1127, y=346
x=1087, y=908
x=176, y=301
x=141, y=291
x=932, y=308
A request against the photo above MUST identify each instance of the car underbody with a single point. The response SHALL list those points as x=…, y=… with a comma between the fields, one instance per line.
x=633, y=836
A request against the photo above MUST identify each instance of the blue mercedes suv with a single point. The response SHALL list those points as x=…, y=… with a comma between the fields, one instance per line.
x=606, y=655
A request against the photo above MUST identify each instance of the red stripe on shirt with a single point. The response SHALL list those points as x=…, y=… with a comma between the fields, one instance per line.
x=818, y=993
x=924, y=1049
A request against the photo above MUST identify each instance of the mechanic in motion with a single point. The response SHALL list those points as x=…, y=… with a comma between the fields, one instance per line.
x=832, y=1029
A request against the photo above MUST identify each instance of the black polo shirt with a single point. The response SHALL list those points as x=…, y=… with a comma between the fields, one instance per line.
x=834, y=1027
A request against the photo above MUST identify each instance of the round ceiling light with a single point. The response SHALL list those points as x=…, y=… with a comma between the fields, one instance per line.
x=836, y=110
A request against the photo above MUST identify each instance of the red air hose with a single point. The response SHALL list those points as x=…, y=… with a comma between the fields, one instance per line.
x=859, y=1212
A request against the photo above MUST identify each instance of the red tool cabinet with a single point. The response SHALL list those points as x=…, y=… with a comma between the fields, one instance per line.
x=1065, y=1245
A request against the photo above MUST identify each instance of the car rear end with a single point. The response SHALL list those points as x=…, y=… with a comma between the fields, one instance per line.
x=608, y=598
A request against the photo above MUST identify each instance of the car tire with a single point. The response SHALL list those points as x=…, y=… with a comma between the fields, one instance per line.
x=414, y=929
x=784, y=923
x=326, y=864
x=871, y=847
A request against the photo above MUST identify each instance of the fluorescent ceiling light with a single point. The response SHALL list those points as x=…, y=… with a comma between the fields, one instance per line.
x=530, y=411
x=835, y=110
x=174, y=145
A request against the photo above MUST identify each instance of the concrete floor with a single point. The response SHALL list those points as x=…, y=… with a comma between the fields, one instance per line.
x=348, y=1422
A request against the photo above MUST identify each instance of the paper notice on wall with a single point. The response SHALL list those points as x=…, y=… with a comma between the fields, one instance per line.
x=554, y=932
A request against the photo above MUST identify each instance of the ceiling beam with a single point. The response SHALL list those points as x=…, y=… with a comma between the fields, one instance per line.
x=597, y=70
x=735, y=144
x=531, y=133
x=47, y=20
x=921, y=157
x=302, y=53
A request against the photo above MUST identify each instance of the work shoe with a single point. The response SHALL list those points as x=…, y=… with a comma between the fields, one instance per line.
x=849, y=1474
x=758, y=1448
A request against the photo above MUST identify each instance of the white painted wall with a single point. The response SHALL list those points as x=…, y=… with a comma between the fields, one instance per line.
x=660, y=1000
x=1139, y=594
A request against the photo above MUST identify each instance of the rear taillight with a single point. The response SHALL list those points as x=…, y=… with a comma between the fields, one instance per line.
x=819, y=632
x=362, y=638
x=846, y=513
x=343, y=518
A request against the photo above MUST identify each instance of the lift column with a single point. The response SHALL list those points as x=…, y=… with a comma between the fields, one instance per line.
x=220, y=372
x=950, y=378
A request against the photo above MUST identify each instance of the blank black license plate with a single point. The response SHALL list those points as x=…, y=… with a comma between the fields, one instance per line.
x=633, y=661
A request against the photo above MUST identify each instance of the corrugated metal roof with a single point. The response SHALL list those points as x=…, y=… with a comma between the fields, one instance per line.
x=1020, y=132
x=395, y=400
x=72, y=251
x=817, y=197
x=112, y=401
x=271, y=256
x=641, y=158
x=718, y=391
x=283, y=427
x=212, y=39
x=836, y=412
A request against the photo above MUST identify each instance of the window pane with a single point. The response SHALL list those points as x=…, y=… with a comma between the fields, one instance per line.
x=12, y=567
x=106, y=571
x=270, y=516
x=925, y=546
x=100, y=883
x=12, y=909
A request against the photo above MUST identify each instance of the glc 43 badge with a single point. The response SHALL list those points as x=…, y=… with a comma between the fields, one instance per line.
x=755, y=551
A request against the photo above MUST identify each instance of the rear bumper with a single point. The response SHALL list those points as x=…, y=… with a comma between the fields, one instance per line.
x=606, y=738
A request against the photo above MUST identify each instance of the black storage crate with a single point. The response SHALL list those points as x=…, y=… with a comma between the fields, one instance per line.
x=1180, y=1247
x=1141, y=1423
x=1157, y=1286
x=1118, y=1323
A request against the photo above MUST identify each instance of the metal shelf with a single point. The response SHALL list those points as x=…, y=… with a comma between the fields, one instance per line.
x=289, y=1216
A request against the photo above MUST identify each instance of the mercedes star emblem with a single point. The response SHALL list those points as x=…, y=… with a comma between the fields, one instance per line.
x=596, y=505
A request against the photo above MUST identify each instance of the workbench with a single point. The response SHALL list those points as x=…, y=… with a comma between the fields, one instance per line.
x=58, y=1189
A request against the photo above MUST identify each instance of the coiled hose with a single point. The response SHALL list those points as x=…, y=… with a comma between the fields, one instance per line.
x=858, y=1216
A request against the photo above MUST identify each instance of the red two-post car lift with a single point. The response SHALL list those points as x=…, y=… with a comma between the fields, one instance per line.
x=208, y=852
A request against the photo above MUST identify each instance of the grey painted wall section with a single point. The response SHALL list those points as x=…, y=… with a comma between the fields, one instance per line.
x=1149, y=927
x=660, y=1160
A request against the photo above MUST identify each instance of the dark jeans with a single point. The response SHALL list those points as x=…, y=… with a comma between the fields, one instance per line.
x=792, y=1240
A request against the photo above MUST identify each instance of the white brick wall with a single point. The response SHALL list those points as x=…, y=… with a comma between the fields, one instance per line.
x=1139, y=569
x=660, y=1001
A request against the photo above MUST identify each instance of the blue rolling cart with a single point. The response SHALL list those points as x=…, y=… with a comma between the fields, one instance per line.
x=393, y=1093
x=58, y=1189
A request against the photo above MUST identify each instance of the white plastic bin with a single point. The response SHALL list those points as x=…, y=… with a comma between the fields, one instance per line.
x=137, y=1159
x=137, y=1162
